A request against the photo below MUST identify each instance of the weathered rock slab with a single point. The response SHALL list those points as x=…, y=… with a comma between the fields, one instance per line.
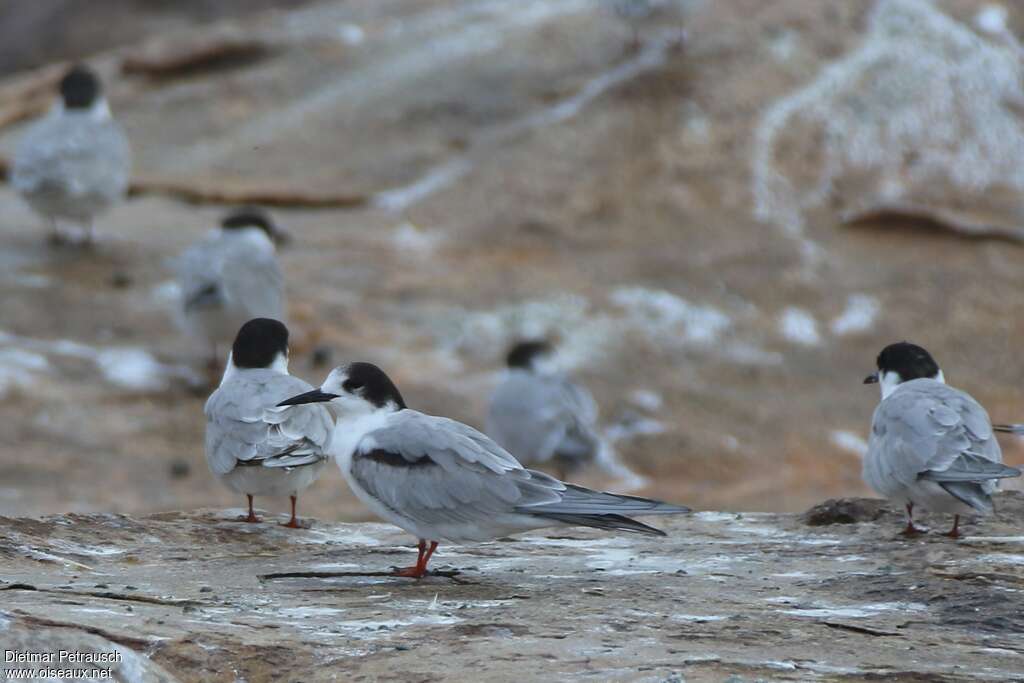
x=758, y=596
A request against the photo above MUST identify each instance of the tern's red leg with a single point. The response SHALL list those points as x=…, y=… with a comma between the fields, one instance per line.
x=911, y=530
x=420, y=570
x=293, y=523
x=252, y=518
x=955, y=531
x=430, y=552
x=415, y=571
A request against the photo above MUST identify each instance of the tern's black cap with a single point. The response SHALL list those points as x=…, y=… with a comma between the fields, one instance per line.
x=80, y=87
x=909, y=360
x=249, y=217
x=258, y=343
x=522, y=353
x=373, y=384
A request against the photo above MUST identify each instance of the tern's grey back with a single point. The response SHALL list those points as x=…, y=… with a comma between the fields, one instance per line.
x=241, y=428
x=72, y=165
x=926, y=428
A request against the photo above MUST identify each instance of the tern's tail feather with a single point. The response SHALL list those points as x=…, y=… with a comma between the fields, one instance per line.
x=586, y=507
x=614, y=522
x=971, y=494
x=1010, y=429
x=971, y=468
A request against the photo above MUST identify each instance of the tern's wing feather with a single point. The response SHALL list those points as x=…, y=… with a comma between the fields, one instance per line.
x=927, y=430
x=253, y=283
x=241, y=428
x=438, y=472
x=198, y=270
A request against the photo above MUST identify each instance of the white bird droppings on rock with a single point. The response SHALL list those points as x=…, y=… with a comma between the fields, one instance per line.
x=798, y=326
x=132, y=368
x=665, y=316
x=859, y=315
x=991, y=19
x=849, y=441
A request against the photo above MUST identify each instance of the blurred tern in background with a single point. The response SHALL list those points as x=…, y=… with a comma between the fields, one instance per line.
x=442, y=480
x=258, y=452
x=74, y=163
x=931, y=445
x=544, y=419
x=231, y=276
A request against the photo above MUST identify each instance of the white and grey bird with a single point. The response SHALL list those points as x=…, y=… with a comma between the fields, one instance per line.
x=931, y=445
x=231, y=276
x=541, y=416
x=442, y=480
x=74, y=163
x=254, y=451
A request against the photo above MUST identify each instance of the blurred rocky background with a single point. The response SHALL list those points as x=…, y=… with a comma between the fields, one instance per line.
x=721, y=211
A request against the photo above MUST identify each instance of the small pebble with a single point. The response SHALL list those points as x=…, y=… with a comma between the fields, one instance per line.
x=180, y=469
x=121, y=280
x=322, y=356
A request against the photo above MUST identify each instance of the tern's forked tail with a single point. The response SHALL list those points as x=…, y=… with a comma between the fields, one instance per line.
x=1009, y=428
x=585, y=507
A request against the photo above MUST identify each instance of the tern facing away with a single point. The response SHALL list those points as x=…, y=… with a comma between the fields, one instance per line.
x=231, y=276
x=440, y=479
x=255, y=451
x=540, y=416
x=74, y=163
x=931, y=445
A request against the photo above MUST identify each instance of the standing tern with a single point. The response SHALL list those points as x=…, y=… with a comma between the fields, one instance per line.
x=231, y=276
x=74, y=163
x=931, y=445
x=255, y=451
x=440, y=479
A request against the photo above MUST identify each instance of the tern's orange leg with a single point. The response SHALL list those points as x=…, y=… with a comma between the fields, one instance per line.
x=911, y=530
x=420, y=570
x=252, y=518
x=955, y=531
x=293, y=523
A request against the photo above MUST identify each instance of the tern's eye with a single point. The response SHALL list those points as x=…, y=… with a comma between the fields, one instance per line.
x=351, y=385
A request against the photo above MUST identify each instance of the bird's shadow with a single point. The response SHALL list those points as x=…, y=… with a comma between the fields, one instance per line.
x=452, y=574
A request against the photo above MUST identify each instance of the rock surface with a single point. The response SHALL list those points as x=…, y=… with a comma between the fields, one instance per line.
x=754, y=596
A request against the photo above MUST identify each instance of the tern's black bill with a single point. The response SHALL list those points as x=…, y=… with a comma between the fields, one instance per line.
x=315, y=396
x=871, y=379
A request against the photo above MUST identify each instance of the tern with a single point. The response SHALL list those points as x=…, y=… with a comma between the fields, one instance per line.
x=440, y=479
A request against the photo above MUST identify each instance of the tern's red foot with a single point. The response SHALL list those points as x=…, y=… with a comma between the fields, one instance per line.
x=913, y=531
x=416, y=572
x=420, y=570
x=294, y=522
x=251, y=518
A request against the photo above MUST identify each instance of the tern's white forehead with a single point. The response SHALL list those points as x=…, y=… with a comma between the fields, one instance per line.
x=335, y=380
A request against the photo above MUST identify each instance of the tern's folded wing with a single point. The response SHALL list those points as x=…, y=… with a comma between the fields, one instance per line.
x=438, y=471
x=241, y=428
x=928, y=430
